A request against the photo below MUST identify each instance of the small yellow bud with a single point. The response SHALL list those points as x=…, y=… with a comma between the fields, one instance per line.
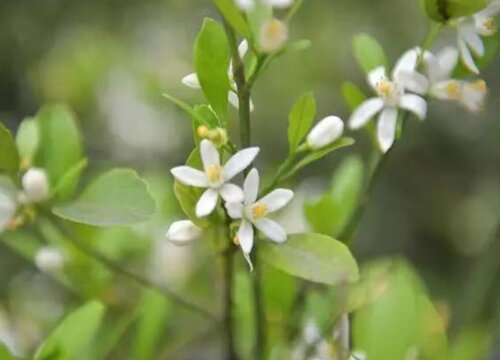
x=203, y=131
x=236, y=240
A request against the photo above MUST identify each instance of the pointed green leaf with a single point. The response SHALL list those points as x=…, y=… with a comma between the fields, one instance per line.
x=118, y=197
x=300, y=119
x=314, y=257
x=233, y=16
x=28, y=139
x=9, y=157
x=69, y=181
x=188, y=109
x=368, y=52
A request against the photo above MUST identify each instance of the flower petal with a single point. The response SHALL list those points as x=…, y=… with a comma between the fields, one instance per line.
x=190, y=176
x=376, y=76
x=276, y=199
x=207, y=203
x=271, y=229
x=183, y=232
x=251, y=186
x=209, y=154
x=239, y=161
x=191, y=81
x=414, y=103
x=365, y=112
x=7, y=210
x=473, y=96
x=413, y=81
x=386, y=128
x=245, y=236
x=407, y=62
x=467, y=32
x=467, y=56
x=447, y=59
x=280, y=4
x=231, y=193
x=447, y=90
x=235, y=210
x=234, y=101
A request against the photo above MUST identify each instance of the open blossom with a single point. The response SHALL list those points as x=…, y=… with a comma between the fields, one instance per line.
x=469, y=32
x=7, y=210
x=247, y=5
x=183, y=232
x=253, y=212
x=273, y=35
x=325, y=132
x=391, y=96
x=35, y=185
x=192, y=81
x=215, y=177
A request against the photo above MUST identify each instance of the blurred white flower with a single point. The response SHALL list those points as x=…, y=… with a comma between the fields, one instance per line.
x=325, y=132
x=273, y=34
x=35, y=185
x=469, y=32
x=192, y=81
x=183, y=232
x=253, y=212
x=49, y=259
x=215, y=177
x=248, y=5
x=7, y=210
x=391, y=96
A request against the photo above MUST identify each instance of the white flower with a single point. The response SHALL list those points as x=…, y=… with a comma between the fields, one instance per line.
x=192, y=81
x=248, y=5
x=253, y=212
x=391, y=96
x=215, y=177
x=35, y=185
x=273, y=34
x=7, y=210
x=469, y=32
x=49, y=259
x=325, y=132
x=183, y=232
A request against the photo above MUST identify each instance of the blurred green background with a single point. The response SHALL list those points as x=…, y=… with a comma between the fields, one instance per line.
x=437, y=203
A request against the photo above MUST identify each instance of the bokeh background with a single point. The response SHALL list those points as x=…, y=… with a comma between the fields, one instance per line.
x=437, y=202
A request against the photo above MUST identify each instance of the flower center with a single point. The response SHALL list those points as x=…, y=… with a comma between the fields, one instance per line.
x=388, y=90
x=489, y=24
x=259, y=210
x=480, y=85
x=453, y=89
x=213, y=173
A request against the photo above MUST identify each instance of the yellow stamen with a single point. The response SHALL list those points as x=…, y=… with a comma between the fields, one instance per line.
x=213, y=173
x=259, y=210
x=453, y=89
x=480, y=85
x=489, y=24
x=385, y=88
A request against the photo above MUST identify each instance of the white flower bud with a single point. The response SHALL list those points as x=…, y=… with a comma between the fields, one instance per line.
x=49, y=259
x=273, y=35
x=245, y=5
x=325, y=132
x=35, y=185
x=183, y=232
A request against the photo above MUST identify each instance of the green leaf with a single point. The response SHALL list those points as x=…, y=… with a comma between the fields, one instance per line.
x=233, y=16
x=300, y=119
x=28, y=139
x=444, y=10
x=9, y=157
x=68, y=183
x=60, y=141
x=118, y=197
x=353, y=95
x=74, y=335
x=5, y=353
x=211, y=56
x=471, y=344
x=188, y=109
x=314, y=257
x=368, y=52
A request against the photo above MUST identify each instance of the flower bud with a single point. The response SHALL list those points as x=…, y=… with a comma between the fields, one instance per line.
x=183, y=232
x=35, y=185
x=273, y=35
x=325, y=132
x=49, y=259
x=202, y=131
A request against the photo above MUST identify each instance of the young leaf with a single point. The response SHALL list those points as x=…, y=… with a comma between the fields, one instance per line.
x=353, y=95
x=211, y=56
x=27, y=139
x=233, y=16
x=69, y=181
x=300, y=119
x=9, y=157
x=72, y=338
x=5, y=354
x=60, y=142
x=368, y=52
x=118, y=197
x=314, y=257
x=444, y=10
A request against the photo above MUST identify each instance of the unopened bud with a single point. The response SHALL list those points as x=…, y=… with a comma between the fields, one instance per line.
x=35, y=185
x=273, y=35
x=218, y=136
x=183, y=232
x=49, y=259
x=325, y=132
x=203, y=131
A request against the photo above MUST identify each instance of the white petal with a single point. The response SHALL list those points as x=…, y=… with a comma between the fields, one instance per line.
x=365, y=112
x=235, y=210
x=491, y=10
x=441, y=90
x=473, y=96
x=245, y=5
x=207, y=203
x=432, y=67
x=407, y=62
x=231, y=193
x=243, y=48
x=277, y=199
x=413, y=81
x=7, y=210
x=376, y=76
x=447, y=59
x=467, y=56
x=183, y=232
x=467, y=32
x=191, y=81
x=280, y=4
x=235, y=102
x=190, y=176
x=414, y=103
x=386, y=128
x=239, y=161
x=271, y=229
x=251, y=186
x=245, y=236
x=209, y=154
